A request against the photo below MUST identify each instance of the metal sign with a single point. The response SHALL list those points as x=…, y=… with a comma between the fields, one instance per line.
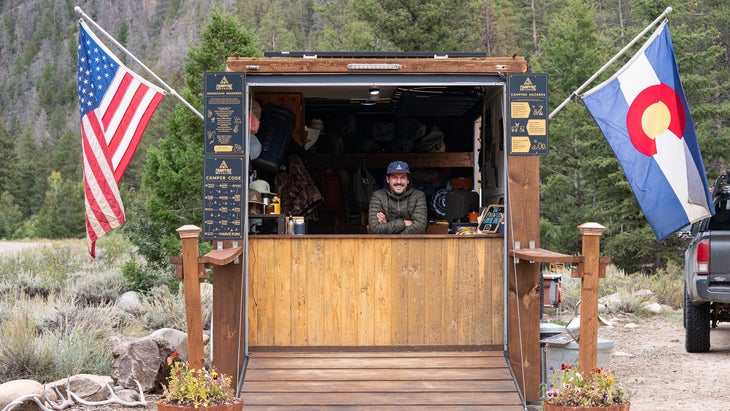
x=224, y=114
x=528, y=114
x=223, y=198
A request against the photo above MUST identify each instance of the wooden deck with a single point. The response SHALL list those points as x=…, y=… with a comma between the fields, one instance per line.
x=359, y=380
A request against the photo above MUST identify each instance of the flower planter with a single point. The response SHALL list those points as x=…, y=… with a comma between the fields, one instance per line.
x=617, y=407
x=234, y=406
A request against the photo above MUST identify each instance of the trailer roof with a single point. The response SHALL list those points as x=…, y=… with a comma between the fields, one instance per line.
x=378, y=65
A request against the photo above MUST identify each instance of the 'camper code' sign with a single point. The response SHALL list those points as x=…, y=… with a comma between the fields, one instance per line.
x=223, y=198
x=528, y=114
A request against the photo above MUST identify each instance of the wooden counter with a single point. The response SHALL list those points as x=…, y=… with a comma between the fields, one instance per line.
x=376, y=290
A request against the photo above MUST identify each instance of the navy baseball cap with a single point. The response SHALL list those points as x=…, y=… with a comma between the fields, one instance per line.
x=398, y=167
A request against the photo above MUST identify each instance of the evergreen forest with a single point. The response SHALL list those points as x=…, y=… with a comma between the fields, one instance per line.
x=41, y=187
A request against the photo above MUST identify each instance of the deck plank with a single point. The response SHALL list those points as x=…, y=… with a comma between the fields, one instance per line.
x=439, y=380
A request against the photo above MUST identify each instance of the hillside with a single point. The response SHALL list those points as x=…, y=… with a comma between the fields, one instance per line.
x=38, y=56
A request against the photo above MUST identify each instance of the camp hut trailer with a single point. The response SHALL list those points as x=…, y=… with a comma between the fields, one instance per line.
x=342, y=317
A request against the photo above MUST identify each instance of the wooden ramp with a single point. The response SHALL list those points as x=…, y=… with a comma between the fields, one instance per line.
x=402, y=380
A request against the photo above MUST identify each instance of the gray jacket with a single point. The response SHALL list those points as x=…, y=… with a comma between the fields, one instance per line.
x=411, y=205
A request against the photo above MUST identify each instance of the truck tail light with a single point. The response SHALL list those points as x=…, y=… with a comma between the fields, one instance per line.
x=702, y=256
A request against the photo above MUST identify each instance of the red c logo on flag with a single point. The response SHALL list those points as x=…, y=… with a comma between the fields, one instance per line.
x=656, y=109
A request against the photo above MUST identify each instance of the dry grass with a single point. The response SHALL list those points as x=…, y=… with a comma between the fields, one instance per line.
x=666, y=285
x=58, y=313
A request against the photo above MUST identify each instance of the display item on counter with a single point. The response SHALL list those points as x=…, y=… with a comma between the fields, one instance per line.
x=299, y=227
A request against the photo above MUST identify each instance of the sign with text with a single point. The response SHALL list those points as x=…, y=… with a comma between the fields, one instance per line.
x=491, y=218
x=223, y=198
x=224, y=114
x=528, y=114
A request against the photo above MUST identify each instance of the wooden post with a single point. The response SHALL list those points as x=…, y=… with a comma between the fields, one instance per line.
x=523, y=279
x=191, y=283
x=588, y=342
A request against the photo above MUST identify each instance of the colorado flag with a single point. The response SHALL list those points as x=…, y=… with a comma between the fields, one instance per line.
x=643, y=113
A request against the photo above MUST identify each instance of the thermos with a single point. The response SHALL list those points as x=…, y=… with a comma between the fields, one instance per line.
x=299, y=227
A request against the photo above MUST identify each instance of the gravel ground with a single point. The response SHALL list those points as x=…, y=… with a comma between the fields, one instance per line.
x=650, y=361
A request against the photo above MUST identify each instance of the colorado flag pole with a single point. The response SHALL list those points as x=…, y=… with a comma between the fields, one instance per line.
x=115, y=106
x=643, y=113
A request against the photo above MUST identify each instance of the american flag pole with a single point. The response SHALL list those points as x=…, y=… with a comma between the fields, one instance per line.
x=172, y=91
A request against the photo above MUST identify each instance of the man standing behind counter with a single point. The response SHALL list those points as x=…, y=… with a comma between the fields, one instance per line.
x=397, y=208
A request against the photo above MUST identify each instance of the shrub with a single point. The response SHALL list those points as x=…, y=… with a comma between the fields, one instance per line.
x=51, y=355
x=143, y=277
x=162, y=308
x=98, y=288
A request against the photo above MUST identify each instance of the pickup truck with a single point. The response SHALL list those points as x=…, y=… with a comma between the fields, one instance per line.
x=707, y=272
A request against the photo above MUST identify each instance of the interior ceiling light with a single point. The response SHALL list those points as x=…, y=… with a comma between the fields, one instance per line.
x=374, y=91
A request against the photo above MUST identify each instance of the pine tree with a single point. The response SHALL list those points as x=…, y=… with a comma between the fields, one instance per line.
x=27, y=175
x=174, y=170
x=11, y=216
x=448, y=25
x=7, y=156
x=62, y=214
x=339, y=29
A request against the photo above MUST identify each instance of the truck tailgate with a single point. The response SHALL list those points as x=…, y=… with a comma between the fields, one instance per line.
x=719, y=257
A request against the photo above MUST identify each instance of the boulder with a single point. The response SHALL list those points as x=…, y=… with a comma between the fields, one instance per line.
x=178, y=340
x=653, y=307
x=141, y=359
x=88, y=387
x=612, y=302
x=130, y=302
x=12, y=390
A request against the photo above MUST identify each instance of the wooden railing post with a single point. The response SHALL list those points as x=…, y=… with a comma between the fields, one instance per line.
x=588, y=345
x=191, y=283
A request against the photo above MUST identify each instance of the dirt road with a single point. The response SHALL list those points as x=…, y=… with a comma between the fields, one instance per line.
x=651, y=362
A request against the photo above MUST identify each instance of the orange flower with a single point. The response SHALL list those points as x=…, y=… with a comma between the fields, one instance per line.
x=172, y=357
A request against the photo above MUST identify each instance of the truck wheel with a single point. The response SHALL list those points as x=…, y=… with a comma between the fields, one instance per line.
x=697, y=326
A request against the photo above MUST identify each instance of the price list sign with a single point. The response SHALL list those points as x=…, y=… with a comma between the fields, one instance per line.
x=528, y=114
x=223, y=198
x=224, y=116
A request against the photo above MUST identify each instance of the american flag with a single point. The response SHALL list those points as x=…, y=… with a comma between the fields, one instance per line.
x=115, y=106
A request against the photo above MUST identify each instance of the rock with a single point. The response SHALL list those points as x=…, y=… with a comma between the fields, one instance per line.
x=631, y=325
x=88, y=387
x=612, y=302
x=178, y=340
x=667, y=308
x=622, y=354
x=12, y=390
x=129, y=395
x=652, y=307
x=130, y=302
x=647, y=294
x=141, y=359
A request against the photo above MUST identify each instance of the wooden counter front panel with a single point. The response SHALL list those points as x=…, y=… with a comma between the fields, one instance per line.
x=376, y=291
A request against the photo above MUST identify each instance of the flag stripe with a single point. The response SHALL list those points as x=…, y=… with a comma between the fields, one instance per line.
x=99, y=177
x=115, y=105
x=122, y=158
x=112, y=101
